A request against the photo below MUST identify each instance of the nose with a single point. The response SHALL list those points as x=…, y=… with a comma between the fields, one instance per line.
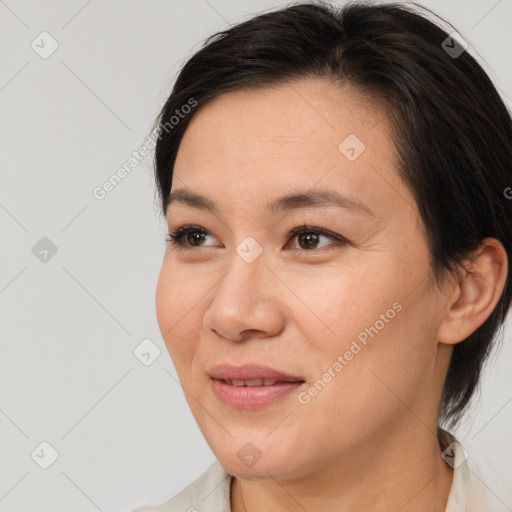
x=245, y=303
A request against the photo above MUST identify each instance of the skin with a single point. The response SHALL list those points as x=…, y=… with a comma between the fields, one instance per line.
x=367, y=441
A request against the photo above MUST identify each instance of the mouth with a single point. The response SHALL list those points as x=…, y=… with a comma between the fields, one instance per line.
x=251, y=373
x=250, y=383
x=251, y=386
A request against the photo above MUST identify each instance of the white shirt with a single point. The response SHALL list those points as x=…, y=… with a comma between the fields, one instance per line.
x=211, y=491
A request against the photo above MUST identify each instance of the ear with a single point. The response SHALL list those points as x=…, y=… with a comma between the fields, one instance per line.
x=475, y=293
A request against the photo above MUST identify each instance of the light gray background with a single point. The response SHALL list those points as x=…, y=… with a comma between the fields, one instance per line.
x=68, y=376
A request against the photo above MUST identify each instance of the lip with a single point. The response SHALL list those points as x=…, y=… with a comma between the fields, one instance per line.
x=249, y=371
x=251, y=397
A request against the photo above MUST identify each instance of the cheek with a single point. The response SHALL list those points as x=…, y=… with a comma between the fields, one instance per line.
x=166, y=302
x=177, y=311
x=370, y=319
x=334, y=303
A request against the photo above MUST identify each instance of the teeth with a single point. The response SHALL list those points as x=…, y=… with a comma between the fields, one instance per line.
x=237, y=382
x=252, y=382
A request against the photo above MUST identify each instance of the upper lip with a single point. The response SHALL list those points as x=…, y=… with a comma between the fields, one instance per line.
x=250, y=371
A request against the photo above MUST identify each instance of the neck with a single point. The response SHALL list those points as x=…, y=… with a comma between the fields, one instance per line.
x=404, y=472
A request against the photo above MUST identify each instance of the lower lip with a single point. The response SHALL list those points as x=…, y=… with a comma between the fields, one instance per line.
x=250, y=397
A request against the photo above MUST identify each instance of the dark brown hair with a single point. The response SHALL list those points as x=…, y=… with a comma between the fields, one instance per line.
x=452, y=131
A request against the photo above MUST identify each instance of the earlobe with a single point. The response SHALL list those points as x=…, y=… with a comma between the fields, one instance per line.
x=477, y=292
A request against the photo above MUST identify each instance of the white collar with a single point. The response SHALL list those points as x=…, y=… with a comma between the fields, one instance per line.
x=458, y=499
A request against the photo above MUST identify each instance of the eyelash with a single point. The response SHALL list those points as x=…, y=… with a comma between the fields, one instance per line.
x=177, y=237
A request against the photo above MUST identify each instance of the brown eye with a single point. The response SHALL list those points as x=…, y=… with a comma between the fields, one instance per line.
x=309, y=238
x=195, y=237
x=188, y=236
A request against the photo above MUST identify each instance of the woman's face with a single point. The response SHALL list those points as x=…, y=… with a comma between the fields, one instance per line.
x=348, y=315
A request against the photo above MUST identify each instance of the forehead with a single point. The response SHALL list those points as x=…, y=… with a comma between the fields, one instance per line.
x=259, y=143
x=297, y=114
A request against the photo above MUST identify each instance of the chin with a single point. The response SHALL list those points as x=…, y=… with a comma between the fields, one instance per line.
x=247, y=461
x=262, y=470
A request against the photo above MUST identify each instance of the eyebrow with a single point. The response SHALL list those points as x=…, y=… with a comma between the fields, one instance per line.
x=292, y=201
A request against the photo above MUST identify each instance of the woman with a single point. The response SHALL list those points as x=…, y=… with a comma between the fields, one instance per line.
x=333, y=181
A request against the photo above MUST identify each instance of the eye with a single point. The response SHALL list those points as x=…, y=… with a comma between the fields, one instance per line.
x=188, y=237
x=308, y=237
x=188, y=234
